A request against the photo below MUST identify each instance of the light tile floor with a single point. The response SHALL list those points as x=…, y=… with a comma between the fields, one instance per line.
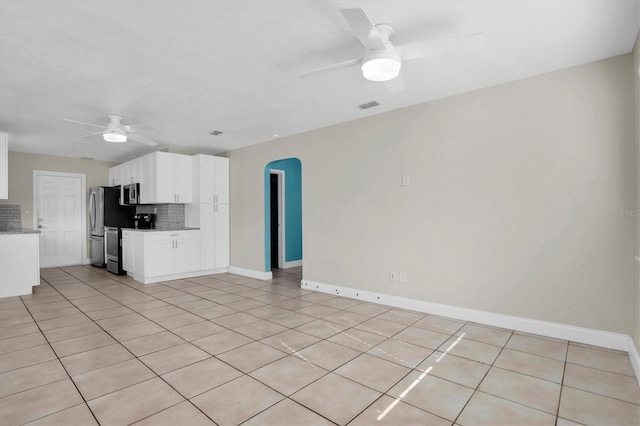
x=89, y=347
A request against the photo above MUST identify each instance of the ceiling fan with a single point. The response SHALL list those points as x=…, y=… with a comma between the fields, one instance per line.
x=382, y=60
x=118, y=133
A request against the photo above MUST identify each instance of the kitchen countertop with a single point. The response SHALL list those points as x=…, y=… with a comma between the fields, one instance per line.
x=184, y=228
x=18, y=231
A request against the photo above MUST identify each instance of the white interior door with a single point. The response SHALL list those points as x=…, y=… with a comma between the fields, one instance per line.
x=59, y=216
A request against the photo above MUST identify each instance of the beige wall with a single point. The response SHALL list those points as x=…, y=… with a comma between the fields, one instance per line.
x=507, y=207
x=22, y=165
x=636, y=80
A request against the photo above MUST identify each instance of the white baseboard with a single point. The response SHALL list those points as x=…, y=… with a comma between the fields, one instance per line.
x=589, y=336
x=292, y=264
x=635, y=358
x=259, y=275
x=151, y=280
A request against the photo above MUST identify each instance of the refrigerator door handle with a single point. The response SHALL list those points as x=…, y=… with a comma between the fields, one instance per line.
x=92, y=210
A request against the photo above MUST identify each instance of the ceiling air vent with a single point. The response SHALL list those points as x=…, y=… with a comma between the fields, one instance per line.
x=215, y=132
x=369, y=105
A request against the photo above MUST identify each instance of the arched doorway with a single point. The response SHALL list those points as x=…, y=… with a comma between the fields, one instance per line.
x=283, y=214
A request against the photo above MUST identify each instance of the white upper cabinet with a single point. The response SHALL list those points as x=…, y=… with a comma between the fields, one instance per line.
x=4, y=166
x=163, y=177
x=184, y=189
x=222, y=180
x=210, y=179
x=115, y=175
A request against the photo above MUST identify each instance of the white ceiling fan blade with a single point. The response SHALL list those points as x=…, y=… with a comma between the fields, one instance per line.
x=87, y=135
x=142, y=139
x=328, y=68
x=138, y=127
x=395, y=85
x=82, y=122
x=440, y=46
x=363, y=28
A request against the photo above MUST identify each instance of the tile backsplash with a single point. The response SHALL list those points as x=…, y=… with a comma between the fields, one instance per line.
x=10, y=219
x=168, y=216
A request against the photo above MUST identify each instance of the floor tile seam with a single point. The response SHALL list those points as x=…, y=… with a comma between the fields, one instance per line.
x=602, y=395
x=508, y=400
x=602, y=370
x=564, y=372
x=59, y=358
x=35, y=386
x=532, y=353
x=29, y=365
x=411, y=370
x=66, y=371
x=178, y=403
x=477, y=389
x=62, y=316
x=153, y=371
x=597, y=348
x=59, y=411
x=293, y=401
x=526, y=375
x=21, y=335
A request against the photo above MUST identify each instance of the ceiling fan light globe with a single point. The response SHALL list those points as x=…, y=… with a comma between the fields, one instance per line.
x=115, y=136
x=381, y=69
x=381, y=65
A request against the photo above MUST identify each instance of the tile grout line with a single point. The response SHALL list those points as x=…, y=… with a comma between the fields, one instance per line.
x=61, y=364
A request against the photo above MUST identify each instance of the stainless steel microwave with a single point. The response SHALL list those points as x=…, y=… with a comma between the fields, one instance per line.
x=130, y=194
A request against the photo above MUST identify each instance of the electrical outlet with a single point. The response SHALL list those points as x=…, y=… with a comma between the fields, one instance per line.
x=393, y=276
x=402, y=277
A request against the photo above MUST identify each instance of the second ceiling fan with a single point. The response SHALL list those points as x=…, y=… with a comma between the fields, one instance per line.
x=382, y=60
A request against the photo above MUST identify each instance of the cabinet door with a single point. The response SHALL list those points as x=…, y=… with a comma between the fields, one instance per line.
x=128, y=254
x=207, y=177
x=115, y=175
x=165, y=178
x=159, y=257
x=4, y=166
x=222, y=180
x=222, y=235
x=207, y=225
x=147, y=179
x=187, y=255
x=183, y=185
x=112, y=176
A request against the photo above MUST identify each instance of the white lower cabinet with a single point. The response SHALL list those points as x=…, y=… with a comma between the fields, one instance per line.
x=213, y=221
x=152, y=256
x=128, y=250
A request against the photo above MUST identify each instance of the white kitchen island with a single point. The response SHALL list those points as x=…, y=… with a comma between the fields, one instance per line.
x=19, y=262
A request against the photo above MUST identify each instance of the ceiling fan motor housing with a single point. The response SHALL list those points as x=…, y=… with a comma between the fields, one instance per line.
x=381, y=65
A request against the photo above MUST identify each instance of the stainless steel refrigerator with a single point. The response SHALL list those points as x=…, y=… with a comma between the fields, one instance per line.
x=105, y=210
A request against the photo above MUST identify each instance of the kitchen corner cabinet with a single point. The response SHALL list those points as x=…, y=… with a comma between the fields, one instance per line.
x=151, y=256
x=4, y=166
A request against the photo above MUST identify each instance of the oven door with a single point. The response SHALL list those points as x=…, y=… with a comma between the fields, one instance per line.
x=113, y=250
x=112, y=243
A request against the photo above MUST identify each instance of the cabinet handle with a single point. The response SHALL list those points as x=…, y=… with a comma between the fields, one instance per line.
x=178, y=197
x=176, y=244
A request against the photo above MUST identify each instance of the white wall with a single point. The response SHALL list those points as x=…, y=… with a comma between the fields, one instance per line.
x=507, y=207
x=636, y=80
x=22, y=165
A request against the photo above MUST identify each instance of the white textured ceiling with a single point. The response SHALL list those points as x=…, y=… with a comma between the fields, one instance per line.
x=190, y=67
